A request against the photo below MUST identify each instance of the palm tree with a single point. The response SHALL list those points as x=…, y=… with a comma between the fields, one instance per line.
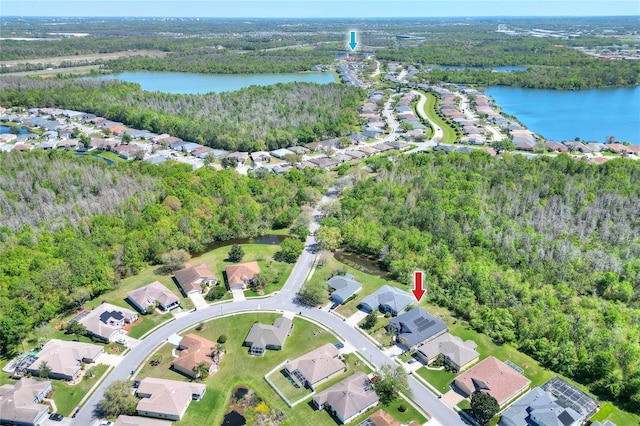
x=201, y=370
x=156, y=360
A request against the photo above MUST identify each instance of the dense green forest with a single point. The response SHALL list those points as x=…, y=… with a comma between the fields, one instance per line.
x=543, y=253
x=127, y=215
x=214, y=61
x=550, y=65
x=252, y=119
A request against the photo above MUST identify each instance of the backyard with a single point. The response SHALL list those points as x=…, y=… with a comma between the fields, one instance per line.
x=234, y=371
x=262, y=253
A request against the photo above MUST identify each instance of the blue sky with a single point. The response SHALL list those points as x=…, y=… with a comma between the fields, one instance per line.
x=319, y=9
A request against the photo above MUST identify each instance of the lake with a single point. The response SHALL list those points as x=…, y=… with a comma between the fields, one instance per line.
x=190, y=83
x=7, y=129
x=561, y=115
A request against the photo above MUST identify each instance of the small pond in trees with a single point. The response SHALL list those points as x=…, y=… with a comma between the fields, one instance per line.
x=360, y=262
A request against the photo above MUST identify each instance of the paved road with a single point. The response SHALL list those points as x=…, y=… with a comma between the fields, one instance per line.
x=282, y=301
x=438, y=133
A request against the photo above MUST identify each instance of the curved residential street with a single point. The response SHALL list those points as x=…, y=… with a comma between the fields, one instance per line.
x=283, y=300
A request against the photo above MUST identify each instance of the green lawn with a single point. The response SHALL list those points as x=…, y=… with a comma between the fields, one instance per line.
x=67, y=397
x=110, y=156
x=238, y=368
x=262, y=253
x=147, y=323
x=449, y=133
x=440, y=379
x=292, y=392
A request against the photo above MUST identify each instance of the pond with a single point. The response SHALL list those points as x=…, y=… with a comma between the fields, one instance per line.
x=560, y=115
x=233, y=418
x=361, y=263
x=7, y=129
x=191, y=83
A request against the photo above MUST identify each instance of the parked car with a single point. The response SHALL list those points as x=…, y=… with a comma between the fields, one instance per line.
x=56, y=417
x=339, y=345
x=106, y=423
x=411, y=361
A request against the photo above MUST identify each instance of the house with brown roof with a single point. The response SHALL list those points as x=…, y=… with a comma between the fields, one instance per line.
x=167, y=399
x=194, y=350
x=65, y=358
x=348, y=398
x=152, y=295
x=107, y=321
x=493, y=377
x=126, y=152
x=239, y=276
x=457, y=354
x=20, y=403
x=616, y=148
x=190, y=280
x=123, y=420
x=315, y=366
x=382, y=418
x=263, y=336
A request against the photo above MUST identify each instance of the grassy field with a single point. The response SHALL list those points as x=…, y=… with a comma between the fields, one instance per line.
x=238, y=368
x=449, y=133
x=67, y=397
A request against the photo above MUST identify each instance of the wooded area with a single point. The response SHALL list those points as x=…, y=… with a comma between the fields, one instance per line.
x=252, y=119
x=543, y=253
x=55, y=266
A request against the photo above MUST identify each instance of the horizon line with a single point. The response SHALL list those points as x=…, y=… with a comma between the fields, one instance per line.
x=320, y=17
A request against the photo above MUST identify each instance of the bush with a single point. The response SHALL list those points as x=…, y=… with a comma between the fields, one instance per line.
x=222, y=338
x=216, y=293
x=402, y=408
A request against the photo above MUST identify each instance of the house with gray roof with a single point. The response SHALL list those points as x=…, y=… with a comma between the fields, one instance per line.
x=65, y=358
x=298, y=150
x=315, y=366
x=348, y=398
x=280, y=153
x=387, y=299
x=20, y=403
x=152, y=295
x=107, y=321
x=343, y=287
x=263, y=336
x=415, y=327
x=457, y=354
x=538, y=407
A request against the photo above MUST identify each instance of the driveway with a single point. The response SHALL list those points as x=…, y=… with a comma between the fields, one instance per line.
x=198, y=301
x=452, y=398
x=354, y=319
x=238, y=295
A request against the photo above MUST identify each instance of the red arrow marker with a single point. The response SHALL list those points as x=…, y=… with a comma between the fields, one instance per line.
x=418, y=291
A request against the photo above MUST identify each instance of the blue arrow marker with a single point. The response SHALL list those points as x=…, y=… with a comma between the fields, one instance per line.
x=353, y=43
